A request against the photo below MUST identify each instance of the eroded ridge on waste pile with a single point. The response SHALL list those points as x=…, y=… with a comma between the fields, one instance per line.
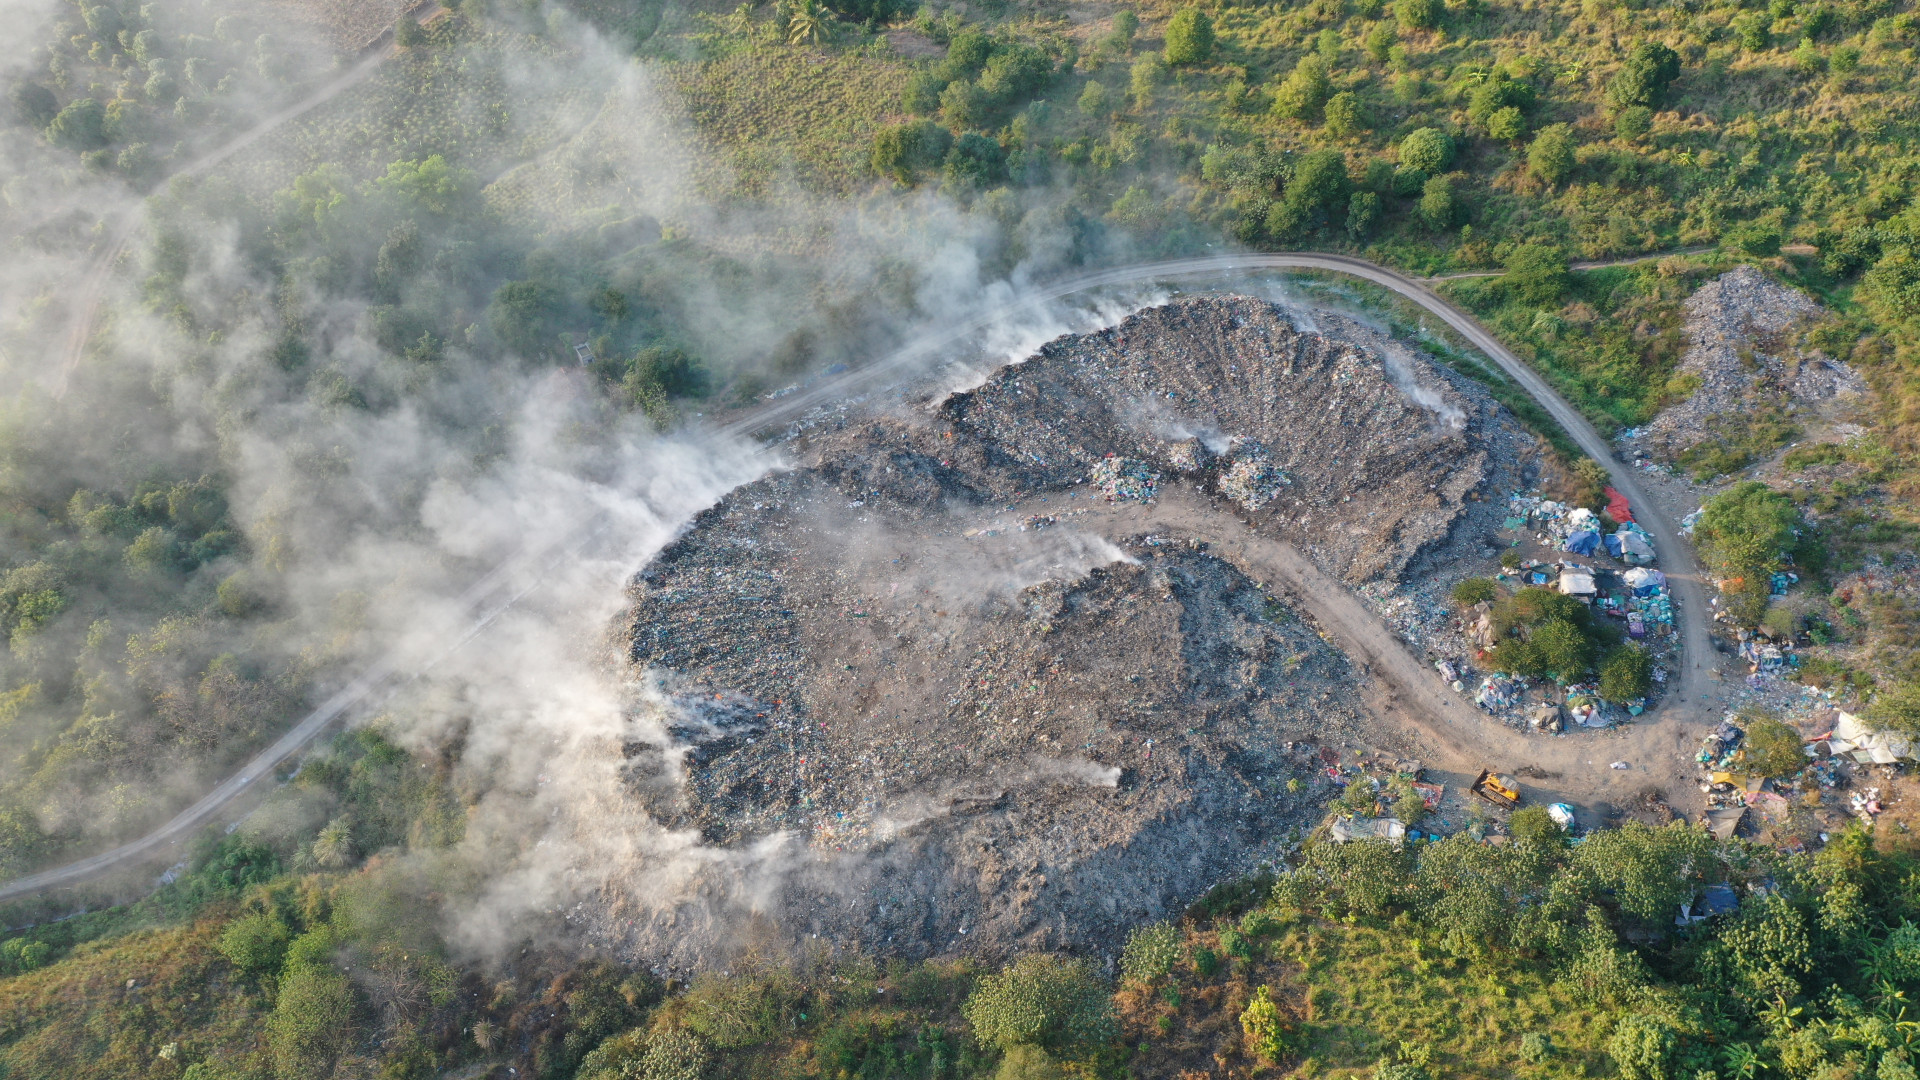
x=991, y=724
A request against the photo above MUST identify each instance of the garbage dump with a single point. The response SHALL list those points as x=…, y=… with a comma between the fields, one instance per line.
x=938, y=674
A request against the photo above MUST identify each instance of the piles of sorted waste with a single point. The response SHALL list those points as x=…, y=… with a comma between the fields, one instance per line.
x=1252, y=480
x=1123, y=478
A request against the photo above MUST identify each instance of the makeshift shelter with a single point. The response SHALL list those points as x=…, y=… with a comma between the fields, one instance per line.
x=1583, y=542
x=1851, y=736
x=1581, y=519
x=1723, y=820
x=1577, y=581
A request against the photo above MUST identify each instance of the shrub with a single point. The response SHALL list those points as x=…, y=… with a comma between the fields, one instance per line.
x=1042, y=1000
x=1303, y=93
x=312, y=1022
x=1426, y=149
x=1550, y=157
x=1363, y=209
x=1378, y=41
x=256, y=943
x=82, y=125
x=1644, y=78
x=1266, y=1030
x=1626, y=673
x=1151, y=952
x=1537, y=275
x=1773, y=748
x=899, y=150
x=741, y=1010
x=1642, y=1048
x=1189, y=38
x=1345, y=116
x=1508, y=124
x=1319, y=182
x=1417, y=14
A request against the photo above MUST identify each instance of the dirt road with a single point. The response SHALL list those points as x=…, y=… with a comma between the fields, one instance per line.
x=1455, y=737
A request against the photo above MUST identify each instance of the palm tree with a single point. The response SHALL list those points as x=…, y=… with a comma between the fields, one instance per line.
x=741, y=21
x=806, y=23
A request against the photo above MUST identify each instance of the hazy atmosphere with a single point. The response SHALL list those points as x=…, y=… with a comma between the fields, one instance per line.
x=999, y=538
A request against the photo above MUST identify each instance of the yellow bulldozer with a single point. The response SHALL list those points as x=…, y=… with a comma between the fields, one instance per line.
x=1497, y=789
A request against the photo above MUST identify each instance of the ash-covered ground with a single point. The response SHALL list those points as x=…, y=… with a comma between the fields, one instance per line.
x=988, y=727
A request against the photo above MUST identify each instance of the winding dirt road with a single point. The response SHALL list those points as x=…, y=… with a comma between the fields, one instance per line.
x=1416, y=695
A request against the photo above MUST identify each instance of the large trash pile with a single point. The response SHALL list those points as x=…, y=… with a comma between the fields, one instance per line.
x=1580, y=531
x=1000, y=714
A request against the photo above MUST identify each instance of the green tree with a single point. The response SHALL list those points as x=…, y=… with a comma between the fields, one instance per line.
x=1150, y=953
x=1417, y=14
x=407, y=32
x=1507, y=125
x=1042, y=1000
x=1642, y=1047
x=1189, y=38
x=1427, y=149
x=1754, y=32
x=33, y=105
x=1363, y=209
x=1301, y=95
x=1438, y=207
x=429, y=184
x=1319, y=182
x=1643, y=80
x=900, y=150
x=1534, y=825
x=1379, y=40
x=1626, y=673
x=1094, y=100
x=1648, y=872
x=1470, y=591
x=1345, y=116
x=1633, y=122
x=1550, y=157
x=82, y=125
x=1744, y=530
x=1537, y=275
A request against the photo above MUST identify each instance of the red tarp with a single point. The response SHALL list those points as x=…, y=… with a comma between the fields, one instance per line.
x=1617, y=507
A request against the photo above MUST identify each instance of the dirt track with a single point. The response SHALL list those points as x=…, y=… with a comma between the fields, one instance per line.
x=1456, y=737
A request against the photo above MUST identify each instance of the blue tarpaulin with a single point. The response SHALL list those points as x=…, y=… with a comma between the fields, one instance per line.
x=1584, y=542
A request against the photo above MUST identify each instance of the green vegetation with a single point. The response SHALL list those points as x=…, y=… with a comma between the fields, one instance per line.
x=1747, y=534
x=1541, y=633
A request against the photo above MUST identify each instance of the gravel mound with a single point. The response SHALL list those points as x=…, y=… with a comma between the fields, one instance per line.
x=988, y=730
x=1741, y=328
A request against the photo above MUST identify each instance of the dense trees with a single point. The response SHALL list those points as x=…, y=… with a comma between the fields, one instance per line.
x=1189, y=38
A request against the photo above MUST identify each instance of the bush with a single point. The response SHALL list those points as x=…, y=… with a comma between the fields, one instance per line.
x=1773, y=748
x=1151, y=952
x=1642, y=1048
x=1041, y=1000
x=1426, y=149
x=1345, y=116
x=1417, y=14
x=1626, y=673
x=1550, y=157
x=1535, y=1048
x=1537, y=275
x=1474, y=590
x=1534, y=825
x=82, y=125
x=1303, y=93
x=311, y=1024
x=256, y=944
x=1363, y=209
x=900, y=150
x=1189, y=38
x=1266, y=1030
